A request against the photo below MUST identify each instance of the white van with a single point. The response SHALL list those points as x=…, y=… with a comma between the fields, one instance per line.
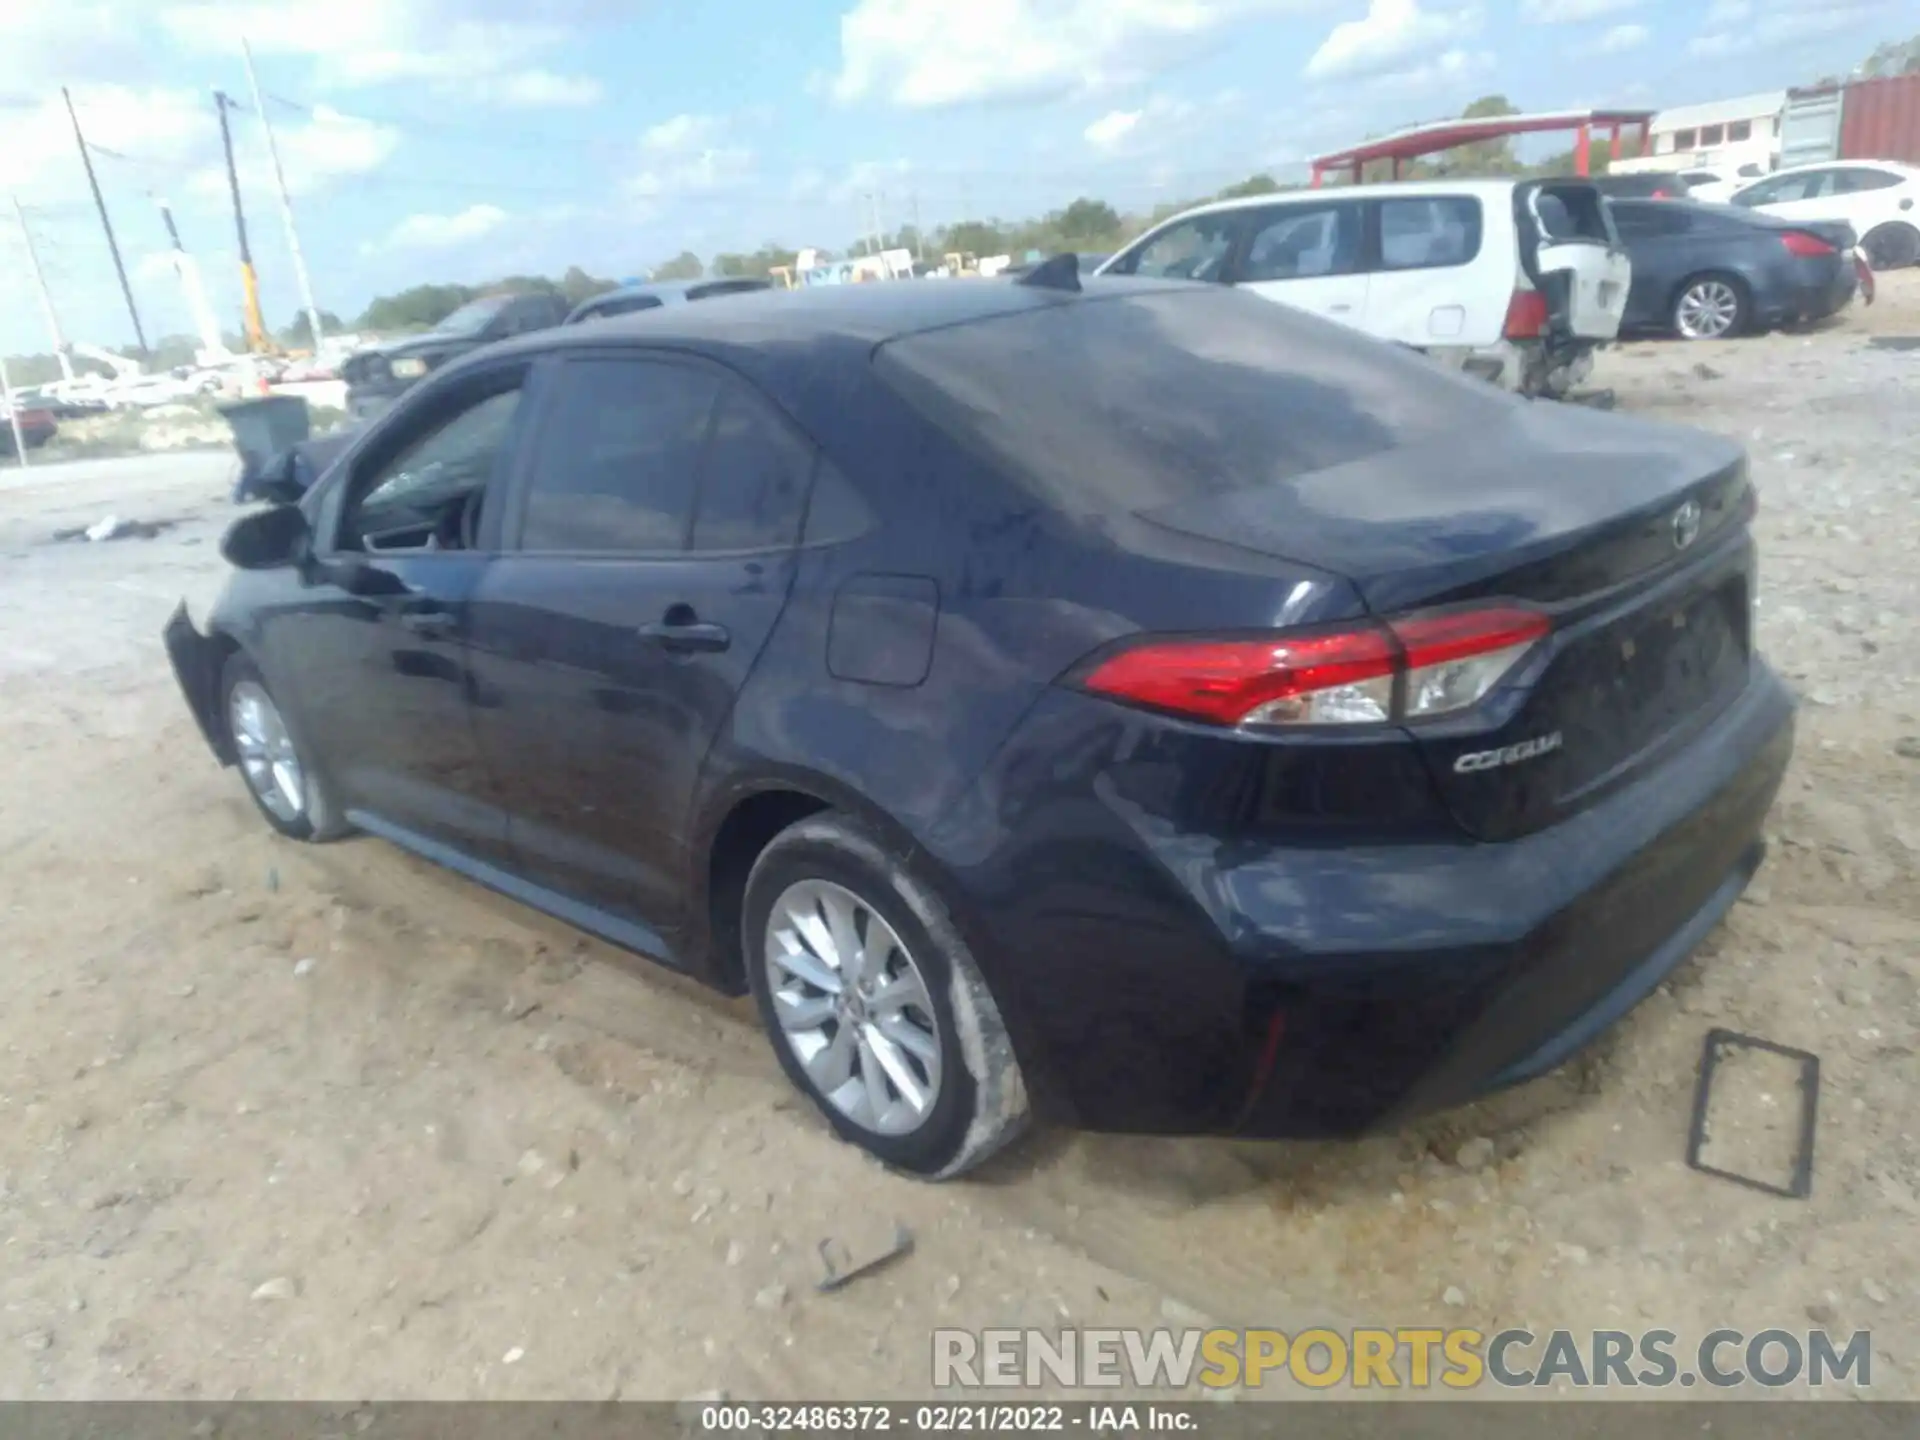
x=1516, y=281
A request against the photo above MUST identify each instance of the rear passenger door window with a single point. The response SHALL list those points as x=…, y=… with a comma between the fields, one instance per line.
x=617, y=458
x=753, y=484
x=1429, y=232
x=1303, y=242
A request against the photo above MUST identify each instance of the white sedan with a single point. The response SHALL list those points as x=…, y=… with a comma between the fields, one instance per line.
x=1880, y=199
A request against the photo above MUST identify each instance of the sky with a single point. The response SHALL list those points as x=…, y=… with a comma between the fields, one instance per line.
x=427, y=140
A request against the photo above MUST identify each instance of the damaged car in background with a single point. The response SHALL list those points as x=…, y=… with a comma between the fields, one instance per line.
x=1127, y=704
x=1513, y=281
x=380, y=374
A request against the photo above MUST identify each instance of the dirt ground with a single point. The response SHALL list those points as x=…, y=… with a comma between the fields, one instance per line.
x=325, y=1122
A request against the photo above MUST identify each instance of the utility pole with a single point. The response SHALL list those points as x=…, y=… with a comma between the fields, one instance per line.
x=286, y=202
x=249, y=282
x=106, y=224
x=919, y=235
x=46, y=295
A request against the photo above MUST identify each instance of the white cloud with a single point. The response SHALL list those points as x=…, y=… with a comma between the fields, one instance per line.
x=1728, y=12
x=1569, y=12
x=1393, y=38
x=441, y=232
x=1777, y=24
x=455, y=46
x=1113, y=127
x=926, y=53
x=867, y=177
x=690, y=153
x=542, y=89
x=1621, y=38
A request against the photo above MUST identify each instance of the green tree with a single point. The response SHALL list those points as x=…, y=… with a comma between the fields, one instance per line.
x=975, y=237
x=761, y=262
x=1086, y=225
x=300, y=335
x=684, y=266
x=417, y=308
x=577, y=285
x=1482, y=157
x=1893, y=57
x=1262, y=184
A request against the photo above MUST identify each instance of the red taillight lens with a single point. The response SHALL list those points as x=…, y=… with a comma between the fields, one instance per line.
x=1807, y=247
x=1526, y=315
x=1412, y=668
x=1309, y=679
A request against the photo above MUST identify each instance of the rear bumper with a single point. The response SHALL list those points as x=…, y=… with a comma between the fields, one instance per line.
x=1326, y=991
x=197, y=662
x=1812, y=298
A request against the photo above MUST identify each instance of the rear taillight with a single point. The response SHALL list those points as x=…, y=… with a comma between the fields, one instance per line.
x=1413, y=668
x=1526, y=315
x=1805, y=246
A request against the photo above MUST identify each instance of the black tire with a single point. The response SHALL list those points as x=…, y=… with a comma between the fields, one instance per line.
x=1739, y=305
x=1892, y=246
x=318, y=816
x=980, y=1104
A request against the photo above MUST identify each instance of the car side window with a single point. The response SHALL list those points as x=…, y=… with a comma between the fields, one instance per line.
x=1852, y=182
x=753, y=478
x=1302, y=242
x=1779, y=188
x=616, y=457
x=1429, y=232
x=416, y=499
x=623, y=305
x=1194, y=249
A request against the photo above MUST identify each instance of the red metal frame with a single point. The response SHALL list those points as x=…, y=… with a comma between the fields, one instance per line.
x=1425, y=140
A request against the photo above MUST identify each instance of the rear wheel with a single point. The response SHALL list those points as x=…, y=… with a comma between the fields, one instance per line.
x=1710, y=307
x=280, y=775
x=1892, y=246
x=873, y=1002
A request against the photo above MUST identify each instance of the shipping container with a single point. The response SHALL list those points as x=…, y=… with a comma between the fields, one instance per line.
x=1861, y=120
x=1881, y=120
x=1810, y=126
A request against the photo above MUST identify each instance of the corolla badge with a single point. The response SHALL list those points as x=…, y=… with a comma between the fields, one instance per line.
x=1686, y=525
x=1475, y=760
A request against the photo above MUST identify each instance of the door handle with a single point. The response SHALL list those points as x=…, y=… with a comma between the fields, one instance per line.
x=434, y=623
x=688, y=636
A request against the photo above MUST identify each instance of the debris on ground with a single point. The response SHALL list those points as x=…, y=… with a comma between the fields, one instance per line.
x=843, y=1267
x=112, y=527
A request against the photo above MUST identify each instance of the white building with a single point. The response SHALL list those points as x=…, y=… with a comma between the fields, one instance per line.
x=1721, y=135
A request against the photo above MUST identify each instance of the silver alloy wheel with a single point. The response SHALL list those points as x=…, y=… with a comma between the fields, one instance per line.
x=267, y=756
x=1708, y=310
x=853, y=1007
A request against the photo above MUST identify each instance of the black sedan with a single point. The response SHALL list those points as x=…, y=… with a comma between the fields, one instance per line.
x=1138, y=705
x=1706, y=272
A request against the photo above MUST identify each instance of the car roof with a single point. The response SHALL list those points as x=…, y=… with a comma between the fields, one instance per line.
x=793, y=342
x=1899, y=165
x=1483, y=186
x=672, y=289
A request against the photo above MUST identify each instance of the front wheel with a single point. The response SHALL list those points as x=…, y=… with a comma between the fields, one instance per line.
x=289, y=791
x=874, y=1004
x=1709, y=307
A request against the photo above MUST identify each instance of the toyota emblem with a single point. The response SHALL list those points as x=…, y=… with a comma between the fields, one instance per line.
x=1686, y=525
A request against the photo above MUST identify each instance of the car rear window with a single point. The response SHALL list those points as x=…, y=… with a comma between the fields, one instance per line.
x=1110, y=404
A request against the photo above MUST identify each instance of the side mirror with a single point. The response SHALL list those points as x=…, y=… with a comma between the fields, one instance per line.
x=267, y=539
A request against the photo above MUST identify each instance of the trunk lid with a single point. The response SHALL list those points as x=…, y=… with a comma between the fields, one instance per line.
x=1631, y=535
x=1571, y=253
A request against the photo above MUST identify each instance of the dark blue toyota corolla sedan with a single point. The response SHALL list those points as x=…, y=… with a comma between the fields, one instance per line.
x=1135, y=705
